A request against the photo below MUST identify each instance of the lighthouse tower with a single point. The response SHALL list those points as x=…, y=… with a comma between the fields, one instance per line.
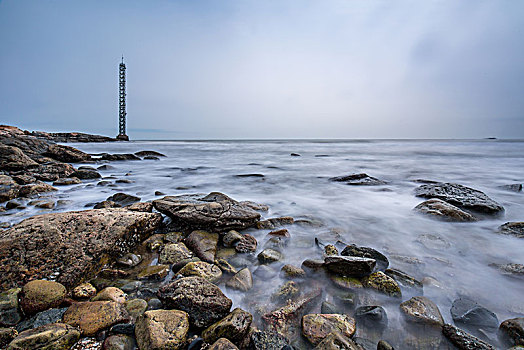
x=122, y=102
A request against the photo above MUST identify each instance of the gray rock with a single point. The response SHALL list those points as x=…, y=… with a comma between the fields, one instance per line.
x=173, y=253
x=41, y=319
x=233, y=327
x=268, y=256
x=9, y=309
x=461, y=196
x=349, y=265
x=472, y=316
x=328, y=308
x=513, y=270
x=512, y=187
x=359, y=179
x=404, y=279
x=373, y=317
x=513, y=229
x=382, y=261
x=242, y=280
x=439, y=209
x=265, y=272
x=464, y=340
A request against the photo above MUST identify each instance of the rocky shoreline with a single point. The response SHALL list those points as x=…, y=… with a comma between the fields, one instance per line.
x=157, y=275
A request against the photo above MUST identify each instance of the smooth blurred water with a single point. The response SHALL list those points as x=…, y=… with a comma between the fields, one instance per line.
x=457, y=256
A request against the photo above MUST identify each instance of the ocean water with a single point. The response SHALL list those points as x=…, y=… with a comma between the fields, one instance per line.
x=456, y=255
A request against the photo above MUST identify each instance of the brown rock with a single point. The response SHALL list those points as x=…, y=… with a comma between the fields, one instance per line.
x=207, y=271
x=32, y=189
x=337, y=341
x=223, y=344
x=203, y=244
x=513, y=330
x=6, y=335
x=84, y=291
x=12, y=158
x=94, y=316
x=233, y=327
x=247, y=244
x=8, y=188
x=162, y=329
x=54, y=336
x=145, y=207
x=173, y=253
x=316, y=327
x=41, y=295
x=444, y=211
x=242, y=280
x=154, y=272
x=464, y=340
x=111, y=294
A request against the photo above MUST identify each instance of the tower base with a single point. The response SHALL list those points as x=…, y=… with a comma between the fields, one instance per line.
x=122, y=137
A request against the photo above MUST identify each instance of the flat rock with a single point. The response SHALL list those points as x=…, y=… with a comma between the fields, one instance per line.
x=203, y=244
x=86, y=174
x=119, y=156
x=215, y=212
x=40, y=295
x=473, y=316
x=242, y=280
x=234, y=327
x=382, y=261
x=349, y=265
x=55, y=336
x=358, y=180
x=513, y=229
x=315, y=327
x=420, y=309
x=173, y=253
x=464, y=340
x=162, y=329
x=207, y=271
x=72, y=246
x=203, y=301
x=439, y=209
x=382, y=283
x=404, y=279
x=93, y=316
x=512, y=331
x=460, y=196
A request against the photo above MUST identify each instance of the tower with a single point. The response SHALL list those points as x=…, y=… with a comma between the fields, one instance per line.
x=122, y=102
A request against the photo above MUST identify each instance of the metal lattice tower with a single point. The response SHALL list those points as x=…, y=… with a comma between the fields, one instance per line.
x=122, y=102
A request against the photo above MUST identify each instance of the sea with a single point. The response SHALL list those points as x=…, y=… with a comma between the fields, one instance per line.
x=453, y=259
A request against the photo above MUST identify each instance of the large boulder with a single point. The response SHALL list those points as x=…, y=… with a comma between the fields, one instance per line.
x=35, y=188
x=93, y=316
x=203, y=301
x=70, y=246
x=54, y=336
x=461, y=196
x=439, y=209
x=162, y=329
x=8, y=188
x=215, y=212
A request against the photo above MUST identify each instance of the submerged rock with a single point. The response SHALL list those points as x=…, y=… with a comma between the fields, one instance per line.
x=291, y=271
x=315, y=327
x=358, y=179
x=162, y=329
x=56, y=336
x=420, y=309
x=463, y=340
x=461, y=196
x=216, y=211
x=513, y=229
x=242, y=280
x=439, y=209
x=371, y=316
x=514, y=270
x=472, y=315
x=72, y=246
x=268, y=256
x=512, y=187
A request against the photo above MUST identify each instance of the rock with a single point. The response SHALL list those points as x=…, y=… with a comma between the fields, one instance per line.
x=420, y=309
x=295, y=155
x=129, y=260
x=12, y=158
x=349, y=266
x=231, y=238
x=9, y=315
x=513, y=229
x=136, y=307
x=315, y=327
x=382, y=261
x=233, y=327
x=265, y=272
x=174, y=237
x=8, y=188
x=121, y=156
x=14, y=204
x=203, y=244
x=472, y=316
x=176, y=267
x=514, y=270
x=149, y=153
x=345, y=282
x=359, y=179
x=119, y=342
x=154, y=272
x=275, y=222
x=111, y=294
x=52, y=171
x=312, y=265
x=123, y=328
x=247, y=244
x=242, y=280
x=384, y=345
x=93, y=316
x=336, y=341
x=463, y=340
x=512, y=187
x=203, y=301
x=267, y=340
x=41, y=319
x=66, y=154
x=84, y=291
x=460, y=196
x=32, y=189
x=73, y=244
x=512, y=331
x=44, y=204
x=40, y=295
x=162, y=329
x=225, y=266
x=23, y=179
x=330, y=250
x=287, y=291
x=223, y=344
x=145, y=207
x=439, y=209
x=173, y=253
x=290, y=271
x=106, y=204
x=215, y=212
x=372, y=317
x=383, y=283
x=123, y=198
x=207, y=271
x=55, y=336
x=86, y=174
x=6, y=335
x=268, y=256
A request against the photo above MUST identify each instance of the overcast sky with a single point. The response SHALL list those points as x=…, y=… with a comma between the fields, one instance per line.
x=266, y=69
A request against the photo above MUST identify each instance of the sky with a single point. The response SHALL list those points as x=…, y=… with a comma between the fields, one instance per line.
x=266, y=69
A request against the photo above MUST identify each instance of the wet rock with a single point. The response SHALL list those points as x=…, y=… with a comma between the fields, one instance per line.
x=372, y=316
x=120, y=156
x=337, y=341
x=284, y=233
x=223, y=344
x=268, y=256
x=247, y=244
x=290, y=271
x=359, y=179
x=154, y=304
x=129, y=260
x=8, y=188
x=6, y=335
x=43, y=203
x=384, y=345
x=119, y=342
x=226, y=267
x=463, y=340
x=86, y=174
x=149, y=153
x=56, y=336
x=265, y=272
x=154, y=272
x=9, y=314
x=123, y=199
x=349, y=265
x=65, y=181
x=267, y=340
x=242, y=280
x=512, y=331
x=40, y=295
x=233, y=327
x=207, y=271
x=460, y=196
x=404, y=279
x=84, y=291
x=41, y=319
x=14, y=204
x=13, y=158
x=512, y=187
x=315, y=327
x=330, y=250
x=162, y=329
x=173, y=253
x=203, y=244
x=106, y=204
x=472, y=316
x=35, y=188
x=216, y=211
x=312, y=264
x=226, y=253
x=136, y=307
x=383, y=283
x=431, y=241
x=513, y=229
x=145, y=207
x=73, y=244
x=275, y=222
x=93, y=316
x=439, y=209
x=231, y=238
x=345, y=282
x=111, y=294
x=420, y=309
x=24, y=179
x=382, y=261
x=174, y=237
x=203, y=301
x=287, y=291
